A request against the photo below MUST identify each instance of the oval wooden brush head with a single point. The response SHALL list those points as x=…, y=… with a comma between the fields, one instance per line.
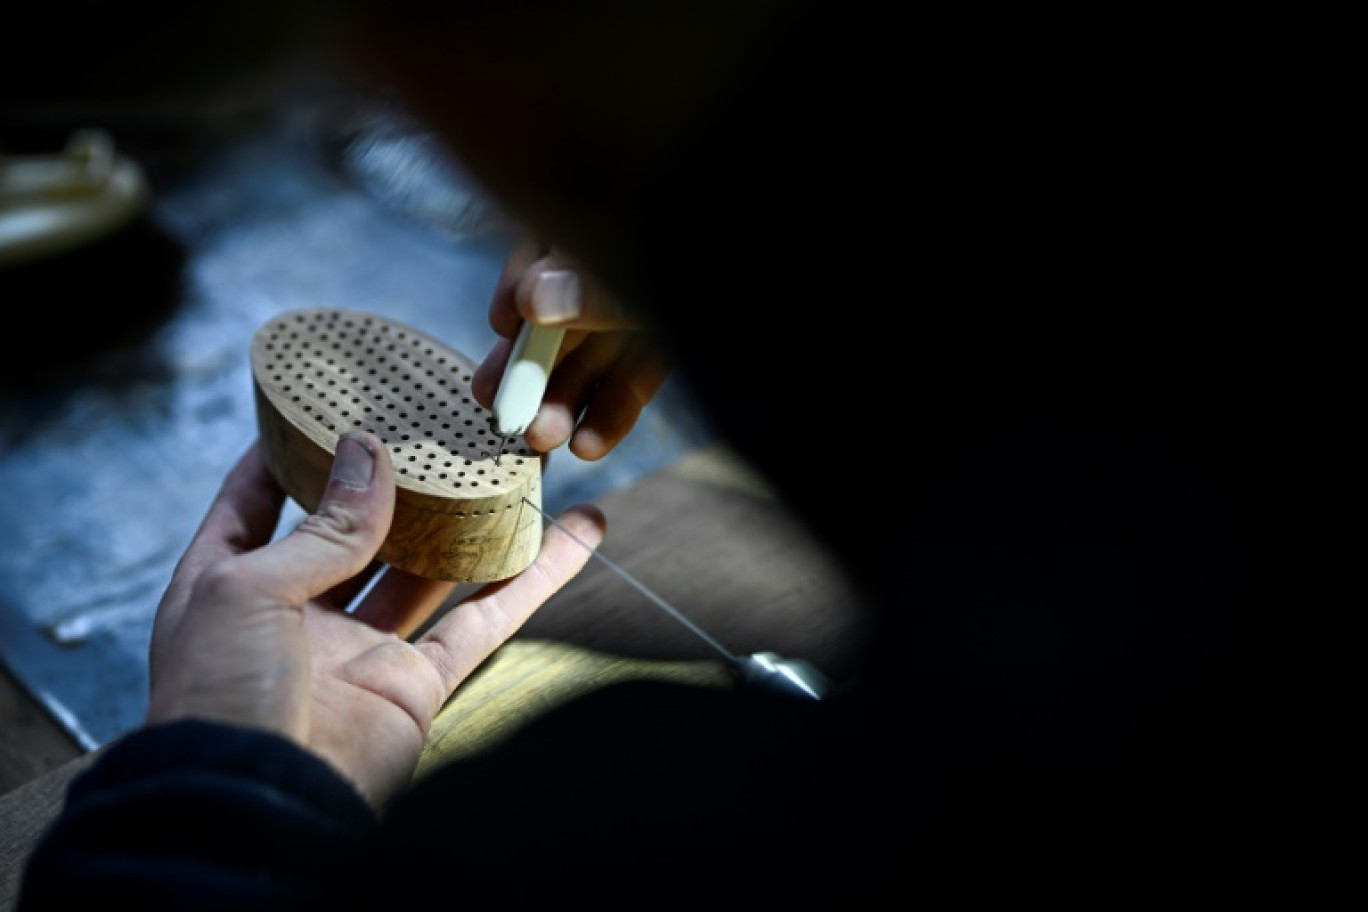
x=320, y=372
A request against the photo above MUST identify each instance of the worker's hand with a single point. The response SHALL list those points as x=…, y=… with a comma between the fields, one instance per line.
x=254, y=632
x=608, y=369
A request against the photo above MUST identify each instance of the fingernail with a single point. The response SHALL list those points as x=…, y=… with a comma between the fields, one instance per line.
x=354, y=464
x=556, y=295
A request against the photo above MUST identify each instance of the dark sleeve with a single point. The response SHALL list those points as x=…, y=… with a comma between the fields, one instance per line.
x=197, y=815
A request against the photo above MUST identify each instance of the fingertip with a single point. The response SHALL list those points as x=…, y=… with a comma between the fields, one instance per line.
x=556, y=291
x=504, y=317
x=484, y=382
x=340, y=538
x=552, y=427
x=587, y=522
x=551, y=296
x=360, y=489
x=354, y=461
x=589, y=445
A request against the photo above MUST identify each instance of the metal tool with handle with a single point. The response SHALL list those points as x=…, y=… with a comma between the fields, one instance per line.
x=524, y=381
x=515, y=405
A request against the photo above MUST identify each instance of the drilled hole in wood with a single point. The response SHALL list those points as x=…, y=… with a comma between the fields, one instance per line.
x=406, y=413
x=459, y=515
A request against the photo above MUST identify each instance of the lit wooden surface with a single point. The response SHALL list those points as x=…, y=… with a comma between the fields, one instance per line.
x=526, y=678
x=702, y=533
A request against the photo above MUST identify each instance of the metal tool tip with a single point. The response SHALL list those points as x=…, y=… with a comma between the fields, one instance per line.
x=793, y=677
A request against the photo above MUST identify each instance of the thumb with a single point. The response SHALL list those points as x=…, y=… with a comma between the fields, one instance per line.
x=339, y=539
x=556, y=291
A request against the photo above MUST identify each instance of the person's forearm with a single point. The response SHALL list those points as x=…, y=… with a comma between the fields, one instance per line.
x=197, y=815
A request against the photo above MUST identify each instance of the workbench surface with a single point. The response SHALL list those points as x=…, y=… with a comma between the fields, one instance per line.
x=703, y=533
x=128, y=394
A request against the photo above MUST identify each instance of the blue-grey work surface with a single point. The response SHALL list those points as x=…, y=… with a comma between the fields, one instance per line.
x=108, y=464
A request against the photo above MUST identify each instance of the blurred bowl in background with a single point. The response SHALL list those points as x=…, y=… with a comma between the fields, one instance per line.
x=380, y=147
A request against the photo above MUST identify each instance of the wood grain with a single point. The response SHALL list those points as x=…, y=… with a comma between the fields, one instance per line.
x=460, y=513
x=31, y=741
x=707, y=536
x=526, y=678
x=24, y=815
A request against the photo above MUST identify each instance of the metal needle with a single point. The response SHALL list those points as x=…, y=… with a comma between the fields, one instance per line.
x=765, y=670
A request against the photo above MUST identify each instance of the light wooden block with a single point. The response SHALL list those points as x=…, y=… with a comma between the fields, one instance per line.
x=321, y=372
